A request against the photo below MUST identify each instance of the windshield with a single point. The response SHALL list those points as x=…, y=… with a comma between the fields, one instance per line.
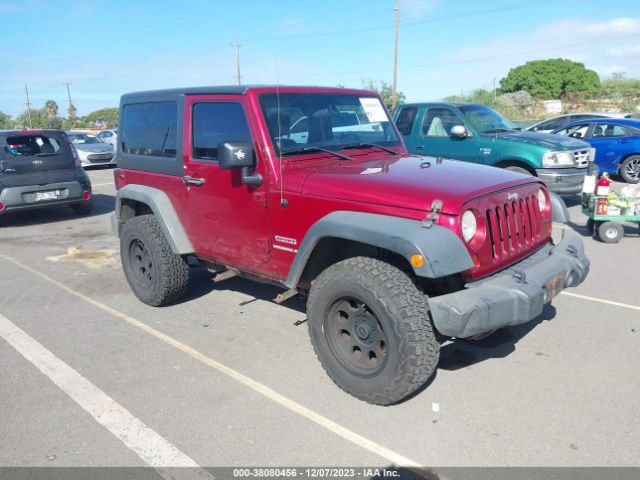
x=487, y=120
x=83, y=138
x=333, y=121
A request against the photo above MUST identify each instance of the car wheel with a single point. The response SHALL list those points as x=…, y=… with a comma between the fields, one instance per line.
x=83, y=208
x=610, y=232
x=156, y=275
x=521, y=170
x=630, y=169
x=369, y=326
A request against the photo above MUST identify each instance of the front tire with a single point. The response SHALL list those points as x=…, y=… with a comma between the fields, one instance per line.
x=369, y=326
x=156, y=275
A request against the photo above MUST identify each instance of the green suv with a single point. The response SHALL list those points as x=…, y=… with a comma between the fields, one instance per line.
x=476, y=133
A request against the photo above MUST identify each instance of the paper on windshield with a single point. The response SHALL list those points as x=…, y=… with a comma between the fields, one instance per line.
x=373, y=109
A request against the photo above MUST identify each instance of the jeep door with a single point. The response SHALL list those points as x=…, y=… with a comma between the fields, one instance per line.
x=227, y=221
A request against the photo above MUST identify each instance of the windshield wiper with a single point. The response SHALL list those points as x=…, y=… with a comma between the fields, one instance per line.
x=317, y=149
x=45, y=154
x=368, y=145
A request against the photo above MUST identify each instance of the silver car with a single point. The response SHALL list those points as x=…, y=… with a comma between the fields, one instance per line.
x=547, y=126
x=109, y=136
x=92, y=150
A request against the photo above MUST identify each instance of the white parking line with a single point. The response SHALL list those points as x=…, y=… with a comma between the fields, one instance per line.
x=601, y=300
x=101, y=184
x=293, y=406
x=153, y=449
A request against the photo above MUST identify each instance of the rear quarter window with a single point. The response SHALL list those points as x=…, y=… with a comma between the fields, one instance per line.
x=150, y=129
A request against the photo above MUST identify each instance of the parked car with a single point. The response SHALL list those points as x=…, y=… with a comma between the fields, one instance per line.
x=92, y=150
x=392, y=249
x=617, y=144
x=109, y=136
x=479, y=134
x=39, y=168
x=547, y=126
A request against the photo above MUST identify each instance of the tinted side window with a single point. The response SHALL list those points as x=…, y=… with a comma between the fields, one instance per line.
x=405, y=120
x=150, y=129
x=214, y=123
x=576, y=131
x=438, y=122
x=608, y=130
x=554, y=123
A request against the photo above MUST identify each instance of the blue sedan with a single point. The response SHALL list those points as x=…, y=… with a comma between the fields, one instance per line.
x=617, y=144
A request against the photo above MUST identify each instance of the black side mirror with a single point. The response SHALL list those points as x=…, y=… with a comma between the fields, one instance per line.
x=239, y=155
x=236, y=155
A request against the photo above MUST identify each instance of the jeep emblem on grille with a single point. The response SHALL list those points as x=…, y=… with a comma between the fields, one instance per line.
x=512, y=196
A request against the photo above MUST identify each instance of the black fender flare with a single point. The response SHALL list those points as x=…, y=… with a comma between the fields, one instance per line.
x=162, y=208
x=443, y=250
x=559, y=210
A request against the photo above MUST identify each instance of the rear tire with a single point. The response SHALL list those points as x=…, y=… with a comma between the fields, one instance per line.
x=610, y=232
x=630, y=169
x=156, y=275
x=83, y=208
x=369, y=326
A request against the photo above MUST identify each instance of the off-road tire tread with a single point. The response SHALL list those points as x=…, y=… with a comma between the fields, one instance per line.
x=419, y=348
x=173, y=269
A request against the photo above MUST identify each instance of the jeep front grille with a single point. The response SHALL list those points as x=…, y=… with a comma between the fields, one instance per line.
x=514, y=226
x=581, y=157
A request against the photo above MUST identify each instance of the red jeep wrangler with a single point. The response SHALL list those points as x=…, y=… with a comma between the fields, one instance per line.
x=312, y=189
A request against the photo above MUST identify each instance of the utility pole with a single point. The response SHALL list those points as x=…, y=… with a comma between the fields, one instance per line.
x=394, y=91
x=71, y=109
x=237, y=46
x=26, y=89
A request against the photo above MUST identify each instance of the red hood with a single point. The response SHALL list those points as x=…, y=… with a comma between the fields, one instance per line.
x=410, y=182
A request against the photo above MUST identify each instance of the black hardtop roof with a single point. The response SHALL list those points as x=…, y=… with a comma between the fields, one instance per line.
x=172, y=93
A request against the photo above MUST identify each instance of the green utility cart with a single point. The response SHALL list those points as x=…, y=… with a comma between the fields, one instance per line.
x=606, y=214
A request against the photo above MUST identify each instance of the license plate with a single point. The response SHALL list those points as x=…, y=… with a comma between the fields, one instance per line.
x=555, y=285
x=47, y=195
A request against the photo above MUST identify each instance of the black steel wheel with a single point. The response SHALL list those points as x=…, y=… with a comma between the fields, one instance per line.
x=156, y=275
x=356, y=337
x=370, y=328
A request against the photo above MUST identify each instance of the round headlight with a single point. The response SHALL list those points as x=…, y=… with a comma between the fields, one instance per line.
x=468, y=224
x=542, y=199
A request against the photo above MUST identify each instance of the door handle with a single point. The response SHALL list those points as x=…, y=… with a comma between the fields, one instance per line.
x=198, y=182
x=419, y=147
x=622, y=141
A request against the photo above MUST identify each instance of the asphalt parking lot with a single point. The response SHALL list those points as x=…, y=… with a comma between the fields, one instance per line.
x=92, y=377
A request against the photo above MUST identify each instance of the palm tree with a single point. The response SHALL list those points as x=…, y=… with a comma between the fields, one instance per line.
x=52, y=111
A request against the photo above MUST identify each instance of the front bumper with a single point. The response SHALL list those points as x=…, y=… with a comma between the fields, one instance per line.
x=515, y=295
x=24, y=197
x=564, y=181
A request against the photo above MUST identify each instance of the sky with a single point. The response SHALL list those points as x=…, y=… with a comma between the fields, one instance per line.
x=105, y=49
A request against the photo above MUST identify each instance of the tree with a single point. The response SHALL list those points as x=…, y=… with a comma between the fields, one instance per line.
x=39, y=119
x=105, y=117
x=51, y=107
x=551, y=79
x=5, y=121
x=385, y=91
